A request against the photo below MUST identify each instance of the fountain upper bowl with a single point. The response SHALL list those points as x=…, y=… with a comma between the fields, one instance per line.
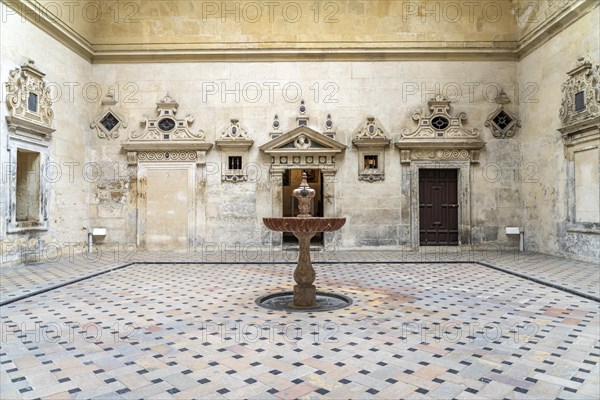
x=312, y=224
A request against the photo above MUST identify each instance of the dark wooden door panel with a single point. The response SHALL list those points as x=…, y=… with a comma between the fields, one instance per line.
x=438, y=207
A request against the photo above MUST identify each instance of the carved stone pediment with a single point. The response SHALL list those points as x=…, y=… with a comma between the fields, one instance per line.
x=234, y=136
x=29, y=102
x=440, y=131
x=371, y=133
x=303, y=140
x=580, y=108
x=166, y=137
x=166, y=132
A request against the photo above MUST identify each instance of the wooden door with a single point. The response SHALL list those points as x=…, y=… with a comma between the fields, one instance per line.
x=438, y=207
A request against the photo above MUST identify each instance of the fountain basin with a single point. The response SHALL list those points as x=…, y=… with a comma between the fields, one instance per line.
x=284, y=301
x=304, y=225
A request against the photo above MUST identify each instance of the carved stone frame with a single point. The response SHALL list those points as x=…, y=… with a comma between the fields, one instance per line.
x=154, y=150
x=28, y=130
x=454, y=147
x=234, y=141
x=580, y=131
x=370, y=139
x=285, y=156
x=409, y=210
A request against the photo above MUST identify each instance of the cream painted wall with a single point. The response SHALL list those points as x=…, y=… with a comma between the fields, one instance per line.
x=68, y=220
x=544, y=198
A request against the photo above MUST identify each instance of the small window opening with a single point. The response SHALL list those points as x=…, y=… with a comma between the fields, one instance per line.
x=371, y=162
x=235, y=162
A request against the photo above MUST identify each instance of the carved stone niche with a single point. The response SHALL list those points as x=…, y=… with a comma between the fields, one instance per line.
x=234, y=143
x=580, y=117
x=440, y=136
x=109, y=122
x=28, y=101
x=371, y=141
x=167, y=138
x=29, y=122
x=580, y=108
x=502, y=122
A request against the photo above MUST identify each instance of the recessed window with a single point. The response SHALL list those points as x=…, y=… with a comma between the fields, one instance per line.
x=371, y=162
x=235, y=162
x=28, y=196
x=32, y=102
x=109, y=122
x=166, y=124
x=502, y=120
x=302, y=122
x=579, y=101
x=440, y=123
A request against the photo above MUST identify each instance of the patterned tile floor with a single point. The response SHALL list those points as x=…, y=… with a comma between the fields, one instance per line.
x=45, y=271
x=432, y=330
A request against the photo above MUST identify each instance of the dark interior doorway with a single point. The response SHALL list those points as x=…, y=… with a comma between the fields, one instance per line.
x=438, y=207
x=291, y=180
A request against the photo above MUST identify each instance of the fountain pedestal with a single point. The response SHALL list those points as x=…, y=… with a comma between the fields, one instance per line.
x=304, y=227
x=305, y=293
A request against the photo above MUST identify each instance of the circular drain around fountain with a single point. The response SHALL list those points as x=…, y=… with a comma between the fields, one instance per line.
x=284, y=301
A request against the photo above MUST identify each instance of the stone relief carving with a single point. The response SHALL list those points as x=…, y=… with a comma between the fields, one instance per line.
x=502, y=122
x=439, y=131
x=302, y=142
x=176, y=155
x=441, y=154
x=109, y=122
x=371, y=141
x=329, y=131
x=234, y=132
x=581, y=93
x=234, y=143
x=166, y=132
x=166, y=126
x=440, y=124
x=28, y=101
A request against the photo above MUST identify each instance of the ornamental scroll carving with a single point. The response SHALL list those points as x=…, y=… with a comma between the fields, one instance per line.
x=440, y=124
x=166, y=126
x=581, y=95
x=29, y=101
x=502, y=122
x=109, y=122
x=440, y=136
x=166, y=137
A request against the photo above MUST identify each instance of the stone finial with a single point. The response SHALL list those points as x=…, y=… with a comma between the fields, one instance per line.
x=304, y=194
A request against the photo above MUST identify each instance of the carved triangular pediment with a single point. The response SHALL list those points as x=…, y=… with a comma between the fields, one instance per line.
x=303, y=140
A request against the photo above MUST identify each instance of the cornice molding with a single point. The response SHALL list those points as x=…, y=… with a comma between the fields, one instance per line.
x=304, y=54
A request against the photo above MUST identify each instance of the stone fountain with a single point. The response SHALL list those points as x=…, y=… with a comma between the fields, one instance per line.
x=305, y=296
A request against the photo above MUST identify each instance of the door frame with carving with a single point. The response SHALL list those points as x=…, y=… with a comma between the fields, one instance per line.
x=142, y=199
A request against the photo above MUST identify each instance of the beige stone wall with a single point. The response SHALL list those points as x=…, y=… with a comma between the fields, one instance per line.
x=293, y=24
x=545, y=197
x=213, y=93
x=68, y=74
